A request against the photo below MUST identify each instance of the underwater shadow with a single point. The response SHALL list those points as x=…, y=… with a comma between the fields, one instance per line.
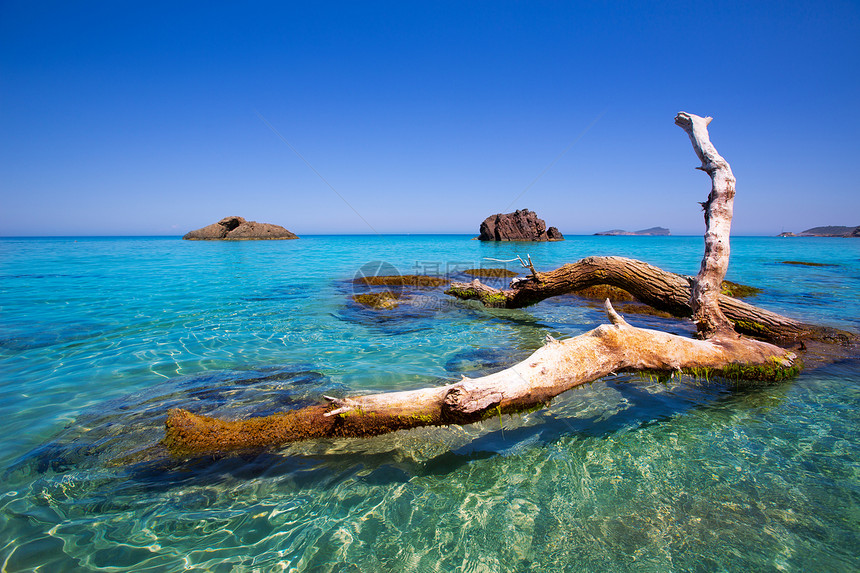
x=327, y=465
x=644, y=408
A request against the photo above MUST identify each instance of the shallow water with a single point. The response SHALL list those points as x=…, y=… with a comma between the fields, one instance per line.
x=100, y=336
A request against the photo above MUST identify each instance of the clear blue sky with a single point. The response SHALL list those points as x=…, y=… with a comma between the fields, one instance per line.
x=142, y=118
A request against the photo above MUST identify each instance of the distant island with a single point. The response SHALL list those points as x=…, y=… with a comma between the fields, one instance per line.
x=653, y=231
x=828, y=231
x=521, y=225
x=238, y=229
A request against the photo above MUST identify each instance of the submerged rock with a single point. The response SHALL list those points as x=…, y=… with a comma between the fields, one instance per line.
x=491, y=273
x=521, y=225
x=402, y=280
x=367, y=294
x=601, y=292
x=807, y=264
x=624, y=302
x=384, y=300
x=238, y=229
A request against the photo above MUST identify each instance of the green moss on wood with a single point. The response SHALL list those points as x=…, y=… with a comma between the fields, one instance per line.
x=737, y=290
x=752, y=328
x=533, y=408
x=775, y=370
x=661, y=376
x=418, y=419
x=354, y=412
x=464, y=293
x=494, y=300
x=497, y=300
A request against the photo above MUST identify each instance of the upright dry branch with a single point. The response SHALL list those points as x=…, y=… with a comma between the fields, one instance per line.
x=707, y=315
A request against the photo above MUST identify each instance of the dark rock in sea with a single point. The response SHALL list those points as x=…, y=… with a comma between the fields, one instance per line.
x=491, y=273
x=807, y=264
x=601, y=292
x=238, y=229
x=478, y=360
x=653, y=231
x=521, y=225
x=402, y=280
x=391, y=296
x=831, y=231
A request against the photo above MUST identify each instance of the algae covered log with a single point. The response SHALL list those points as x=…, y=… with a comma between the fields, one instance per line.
x=554, y=368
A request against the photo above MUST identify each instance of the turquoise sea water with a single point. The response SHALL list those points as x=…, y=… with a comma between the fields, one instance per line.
x=100, y=336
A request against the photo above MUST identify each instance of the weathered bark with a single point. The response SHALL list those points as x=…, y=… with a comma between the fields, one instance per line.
x=704, y=301
x=651, y=285
x=552, y=369
x=549, y=371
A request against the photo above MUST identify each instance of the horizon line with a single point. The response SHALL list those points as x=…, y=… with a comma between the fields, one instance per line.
x=165, y=236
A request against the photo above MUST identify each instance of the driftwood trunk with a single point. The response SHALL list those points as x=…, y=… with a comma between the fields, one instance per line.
x=554, y=368
x=651, y=285
x=549, y=371
x=704, y=301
